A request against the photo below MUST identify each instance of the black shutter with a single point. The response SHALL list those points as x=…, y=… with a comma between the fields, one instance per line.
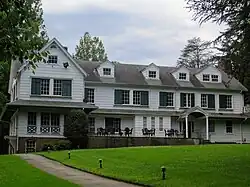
x=144, y=97
x=192, y=100
x=86, y=95
x=118, y=97
x=163, y=99
x=182, y=99
x=66, y=87
x=222, y=101
x=35, y=86
x=211, y=101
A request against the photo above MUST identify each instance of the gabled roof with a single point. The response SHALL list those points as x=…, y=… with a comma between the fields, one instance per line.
x=54, y=40
x=176, y=69
x=205, y=67
x=151, y=64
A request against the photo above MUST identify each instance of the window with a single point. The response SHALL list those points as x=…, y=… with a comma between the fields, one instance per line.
x=122, y=96
x=90, y=95
x=44, y=86
x=204, y=101
x=215, y=78
x=52, y=59
x=145, y=122
x=57, y=87
x=160, y=123
x=182, y=76
x=30, y=146
x=106, y=71
x=229, y=127
x=50, y=123
x=91, y=129
x=113, y=124
x=225, y=101
x=187, y=100
x=152, y=74
x=140, y=98
x=166, y=99
x=152, y=122
x=31, y=127
x=211, y=126
x=206, y=77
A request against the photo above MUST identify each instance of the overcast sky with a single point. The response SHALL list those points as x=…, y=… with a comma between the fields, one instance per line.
x=133, y=31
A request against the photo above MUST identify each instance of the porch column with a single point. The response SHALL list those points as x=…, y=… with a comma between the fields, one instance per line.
x=207, y=135
x=186, y=118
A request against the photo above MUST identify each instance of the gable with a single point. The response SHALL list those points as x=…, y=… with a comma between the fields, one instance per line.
x=106, y=69
x=209, y=71
x=151, y=70
x=184, y=70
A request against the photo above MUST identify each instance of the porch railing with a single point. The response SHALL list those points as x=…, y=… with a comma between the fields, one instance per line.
x=31, y=129
x=50, y=130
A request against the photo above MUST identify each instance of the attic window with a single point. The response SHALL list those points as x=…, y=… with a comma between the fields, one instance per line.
x=52, y=59
x=182, y=76
x=152, y=74
x=206, y=77
x=106, y=71
x=215, y=78
x=53, y=46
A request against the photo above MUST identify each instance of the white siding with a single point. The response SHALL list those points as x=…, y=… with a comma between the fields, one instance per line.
x=209, y=70
x=152, y=67
x=104, y=99
x=106, y=65
x=181, y=70
x=54, y=71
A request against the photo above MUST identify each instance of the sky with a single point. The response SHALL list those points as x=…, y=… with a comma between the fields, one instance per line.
x=133, y=31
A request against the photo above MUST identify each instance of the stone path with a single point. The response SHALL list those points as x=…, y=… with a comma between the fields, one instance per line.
x=73, y=175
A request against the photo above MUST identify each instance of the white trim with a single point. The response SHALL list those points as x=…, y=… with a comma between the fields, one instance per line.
x=42, y=136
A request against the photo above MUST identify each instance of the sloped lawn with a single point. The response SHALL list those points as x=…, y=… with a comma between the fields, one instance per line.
x=15, y=172
x=187, y=166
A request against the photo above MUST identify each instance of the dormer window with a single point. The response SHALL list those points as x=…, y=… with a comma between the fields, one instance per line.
x=52, y=59
x=182, y=76
x=215, y=78
x=152, y=74
x=106, y=71
x=206, y=77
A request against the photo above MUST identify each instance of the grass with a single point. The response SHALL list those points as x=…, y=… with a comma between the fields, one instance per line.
x=15, y=172
x=187, y=166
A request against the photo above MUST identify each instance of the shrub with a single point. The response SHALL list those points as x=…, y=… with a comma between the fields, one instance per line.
x=57, y=145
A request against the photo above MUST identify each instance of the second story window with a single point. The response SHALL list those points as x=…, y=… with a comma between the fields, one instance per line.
x=106, y=71
x=208, y=101
x=40, y=86
x=52, y=59
x=62, y=87
x=166, y=99
x=225, y=101
x=140, y=98
x=187, y=100
x=206, y=77
x=122, y=97
x=90, y=95
x=215, y=78
x=152, y=74
x=182, y=76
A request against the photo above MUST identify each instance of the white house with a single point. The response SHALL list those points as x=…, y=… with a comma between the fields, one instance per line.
x=202, y=103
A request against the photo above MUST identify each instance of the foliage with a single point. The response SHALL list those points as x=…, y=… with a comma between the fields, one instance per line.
x=196, y=54
x=186, y=166
x=90, y=49
x=16, y=172
x=57, y=145
x=235, y=39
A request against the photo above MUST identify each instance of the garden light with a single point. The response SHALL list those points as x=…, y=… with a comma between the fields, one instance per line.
x=163, y=170
x=48, y=149
x=69, y=154
x=100, y=162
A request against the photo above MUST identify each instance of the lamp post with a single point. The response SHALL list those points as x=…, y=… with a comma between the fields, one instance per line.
x=69, y=154
x=163, y=170
x=100, y=162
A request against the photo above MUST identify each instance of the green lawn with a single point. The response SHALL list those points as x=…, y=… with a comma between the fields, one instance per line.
x=187, y=166
x=15, y=172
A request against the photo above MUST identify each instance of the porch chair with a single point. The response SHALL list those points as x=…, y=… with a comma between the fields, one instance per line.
x=145, y=131
x=152, y=132
x=128, y=131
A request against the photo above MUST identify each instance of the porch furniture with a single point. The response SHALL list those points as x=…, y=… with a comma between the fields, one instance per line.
x=169, y=132
x=145, y=131
x=128, y=131
x=101, y=131
x=152, y=132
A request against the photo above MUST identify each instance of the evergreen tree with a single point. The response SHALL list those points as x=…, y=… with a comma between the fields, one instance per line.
x=90, y=49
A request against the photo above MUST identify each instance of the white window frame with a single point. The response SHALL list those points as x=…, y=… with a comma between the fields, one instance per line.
x=230, y=126
x=52, y=59
x=188, y=102
x=152, y=122
x=170, y=99
x=206, y=77
x=211, y=123
x=125, y=97
x=152, y=74
x=91, y=95
x=57, y=87
x=204, y=101
x=136, y=97
x=106, y=71
x=182, y=76
x=160, y=123
x=45, y=86
x=145, y=122
x=229, y=101
x=30, y=144
x=215, y=78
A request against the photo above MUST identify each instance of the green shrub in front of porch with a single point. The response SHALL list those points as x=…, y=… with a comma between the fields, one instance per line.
x=186, y=166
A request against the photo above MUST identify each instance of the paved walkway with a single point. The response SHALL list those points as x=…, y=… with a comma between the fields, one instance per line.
x=73, y=175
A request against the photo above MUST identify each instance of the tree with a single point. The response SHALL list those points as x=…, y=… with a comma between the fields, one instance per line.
x=75, y=128
x=235, y=39
x=196, y=53
x=90, y=49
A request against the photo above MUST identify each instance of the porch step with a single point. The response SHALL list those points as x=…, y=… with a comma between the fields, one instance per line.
x=206, y=142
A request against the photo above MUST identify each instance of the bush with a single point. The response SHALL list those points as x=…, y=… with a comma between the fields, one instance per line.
x=57, y=145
